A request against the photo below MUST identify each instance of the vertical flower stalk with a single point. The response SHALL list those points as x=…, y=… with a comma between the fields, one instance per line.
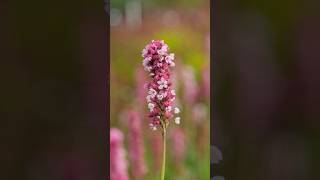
x=157, y=62
x=136, y=147
x=118, y=162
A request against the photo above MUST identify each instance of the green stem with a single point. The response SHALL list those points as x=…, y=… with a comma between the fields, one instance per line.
x=163, y=169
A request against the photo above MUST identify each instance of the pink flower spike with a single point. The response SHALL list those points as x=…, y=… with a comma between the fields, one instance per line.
x=160, y=94
x=157, y=62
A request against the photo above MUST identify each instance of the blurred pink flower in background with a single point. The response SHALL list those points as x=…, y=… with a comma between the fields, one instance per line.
x=199, y=113
x=206, y=82
x=118, y=162
x=190, y=87
x=140, y=79
x=136, y=146
x=199, y=116
x=178, y=144
x=207, y=45
x=156, y=148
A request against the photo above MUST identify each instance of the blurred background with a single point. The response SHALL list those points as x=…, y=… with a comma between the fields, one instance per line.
x=53, y=90
x=266, y=89
x=185, y=27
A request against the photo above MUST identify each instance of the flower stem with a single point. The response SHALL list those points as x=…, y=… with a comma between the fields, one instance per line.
x=163, y=169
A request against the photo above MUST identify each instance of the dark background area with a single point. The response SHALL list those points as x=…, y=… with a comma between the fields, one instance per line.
x=266, y=89
x=53, y=76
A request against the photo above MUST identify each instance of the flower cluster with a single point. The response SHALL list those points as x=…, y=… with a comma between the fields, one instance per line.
x=118, y=162
x=157, y=61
